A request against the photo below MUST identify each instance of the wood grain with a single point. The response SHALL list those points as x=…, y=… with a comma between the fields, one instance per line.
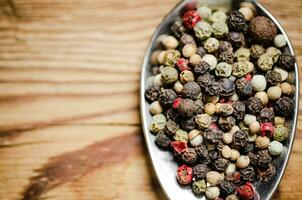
x=69, y=110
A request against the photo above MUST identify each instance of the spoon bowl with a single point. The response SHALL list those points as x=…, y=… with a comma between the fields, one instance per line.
x=163, y=162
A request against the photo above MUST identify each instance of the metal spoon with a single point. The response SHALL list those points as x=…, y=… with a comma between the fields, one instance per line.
x=164, y=165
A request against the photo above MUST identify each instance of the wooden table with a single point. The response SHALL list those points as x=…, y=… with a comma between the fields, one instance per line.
x=69, y=113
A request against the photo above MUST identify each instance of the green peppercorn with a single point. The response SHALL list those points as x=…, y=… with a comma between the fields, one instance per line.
x=199, y=187
x=240, y=68
x=170, y=57
x=169, y=75
x=211, y=44
x=242, y=54
x=181, y=135
x=158, y=123
x=274, y=53
x=265, y=62
x=281, y=133
x=219, y=29
x=223, y=69
x=203, y=30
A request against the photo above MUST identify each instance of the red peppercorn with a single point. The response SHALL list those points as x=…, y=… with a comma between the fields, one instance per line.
x=222, y=100
x=246, y=191
x=190, y=19
x=267, y=129
x=213, y=126
x=182, y=64
x=176, y=103
x=248, y=77
x=179, y=146
x=184, y=174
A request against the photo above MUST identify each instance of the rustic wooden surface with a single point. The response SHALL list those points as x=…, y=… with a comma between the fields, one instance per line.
x=69, y=114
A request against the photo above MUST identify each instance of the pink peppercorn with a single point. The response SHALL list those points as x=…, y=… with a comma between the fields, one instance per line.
x=182, y=64
x=184, y=174
x=246, y=191
x=213, y=126
x=176, y=103
x=179, y=146
x=248, y=77
x=267, y=129
x=190, y=19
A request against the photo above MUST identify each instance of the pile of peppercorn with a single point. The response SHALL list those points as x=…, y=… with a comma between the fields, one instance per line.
x=221, y=91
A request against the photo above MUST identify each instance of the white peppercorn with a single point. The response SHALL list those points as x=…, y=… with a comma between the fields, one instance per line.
x=186, y=76
x=161, y=57
x=233, y=196
x=211, y=60
x=227, y=138
x=279, y=120
x=157, y=81
x=249, y=119
x=247, y=13
x=275, y=148
x=242, y=162
x=234, y=129
x=188, y=50
x=178, y=87
x=213, y=177
x=286, y=88
x=169, y=42
x=230, y=169
x=212, y=192
x=280, y=41
x=195, y=137
x=209, y=108
x=211, y=45
x=195, y=60
x=234, y=154
x=155, y=108
x=254, y=127
x=154, y=57
x=259, y=83
x=248, y=5
x=262, y=142
x=263, y=97
x=284, y=74
x=226, y=151
x=274, y=92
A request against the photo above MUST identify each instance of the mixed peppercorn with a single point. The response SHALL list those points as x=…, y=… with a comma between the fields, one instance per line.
x=221, y=90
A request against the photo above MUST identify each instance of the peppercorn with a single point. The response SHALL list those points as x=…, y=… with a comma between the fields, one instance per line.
x=220, y=164
x=236, y=39
x=171, y=127
x=279, y=120
x=212, y=192
x=190, y=19
x=152, y=93
x=187, y=124
x=211, y=45
x=179, y=146
x=248, y=148
x=244, y=87
x=191, y=90
x=274, y=53
x=284, y=74
x=218, y=16
x=248, y=174
x=246, y=191
x=256, y=51
x=213, y=177
x=162, y=140
x=236, y=21
x=239, y=110
x=266, y=174
x=280, y=41
x=203, y=121
x=273, y=77
x=284, y=107
x=220, y=29
x=225, y=46
x=226, y=151
x=204, y=12
x=201, y=151
x=167, y=97
x=266, y=115
x=232, y=197
x=242, y=54
x=189, y=156
x=204, y=80
x=169, y=75
x=170, y=57
x=201, y=68
x=213, y=136
x=199, y=106
x=263, y=159
x=213, y=88
x=201, y=51
x=195, y=60
x=287, y=61
x=225, y=109
x=267, y=129
x=199, y=187
x=158, y=123
x=195, y=138
x=223, y=69
x=263, y=29
x=200, y=171
x=275, y=148
x=281, y=133
x=155, y=108
x=184, y=174
x=262, y=142
x=242, y=162
x=186, y=39
x=209, y=108
x=259, y=83
x=169, y=42
x=254, y=105
x=188, y=50
x=227, y=87
x=240, y=69
x=226, y=123
x=177, y=28
x=173, y=114
x=227, y=138
x=231, y=168
x=211, y=60
x=157, y=81
x=240, y=138
x=178, y=87
x=226, y=56
x=203, y=30
x=265, y=62
x=247, y=12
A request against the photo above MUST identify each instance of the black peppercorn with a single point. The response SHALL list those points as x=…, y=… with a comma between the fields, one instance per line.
x=244, y=87
x=173, y=115
x=254, y=105
x=225, y=46
x=191, y=90
x=220, y=164
x=253, y=158
x=213, y=88
x=162, y=140
x=239, y=110
x=284, y=106
x=189, y=156
x=236, y=39
x=263, y=29
x=226, y=187
x=201, y=68
x=213, y=136
x=249, y=147
x=256, y=51
x=199, y=106
x=263, y=159
x=266, y=174
x=205, y=80
x=171, y=127
x=287, y=61
x=227, y=87
x=236, y=21
x=214, y=154
x=186, y=108
x=167, y=97
x=187, y=124
x=201, y=51
x=226, y=123
x=152, y=93
x=266, y=115
x=273, y=77
x=202, y=151
x=200, y=171
x=177, y=28
x=226, y=56
x=240, y=139
x=248, y=174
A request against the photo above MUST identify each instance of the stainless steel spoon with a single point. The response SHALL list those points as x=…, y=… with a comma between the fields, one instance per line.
x=164, y=165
